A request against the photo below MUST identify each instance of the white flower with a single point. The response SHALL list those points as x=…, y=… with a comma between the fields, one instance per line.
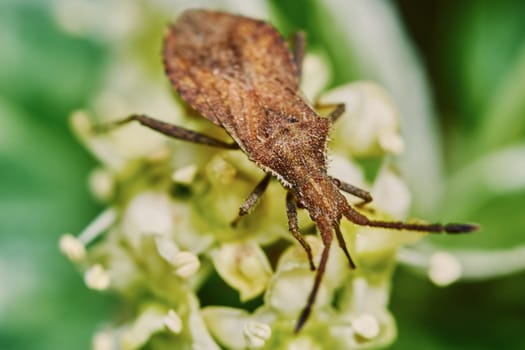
x=370, y=124
x=288, y=292
x=186, y=233
x=244, y=266
x=148, y=213
x=226, y=324
x=150, y=321
x=292, y=281
x=236, y=328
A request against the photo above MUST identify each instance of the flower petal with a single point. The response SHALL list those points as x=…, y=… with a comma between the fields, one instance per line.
x=147, y=213
x=148, y=322
x=370, y=124
x=244, y=266
x=226, y=324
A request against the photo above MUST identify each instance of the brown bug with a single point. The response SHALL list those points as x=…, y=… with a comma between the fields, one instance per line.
x=239, y=73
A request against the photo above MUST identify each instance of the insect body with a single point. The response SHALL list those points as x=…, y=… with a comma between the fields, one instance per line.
x=240, y=74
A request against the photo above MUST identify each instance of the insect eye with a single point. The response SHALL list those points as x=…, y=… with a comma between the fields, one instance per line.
x=292, y=119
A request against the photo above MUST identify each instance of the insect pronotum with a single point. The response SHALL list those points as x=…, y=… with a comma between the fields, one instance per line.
x=240, y=74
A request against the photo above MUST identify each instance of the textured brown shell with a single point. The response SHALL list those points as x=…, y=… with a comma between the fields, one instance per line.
x=239, y=73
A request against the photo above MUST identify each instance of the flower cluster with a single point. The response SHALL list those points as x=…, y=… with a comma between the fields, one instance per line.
x=168, y=233
x=166, y=246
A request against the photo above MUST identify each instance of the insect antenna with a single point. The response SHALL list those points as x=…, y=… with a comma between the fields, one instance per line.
x=452, y=228
x=168, y=129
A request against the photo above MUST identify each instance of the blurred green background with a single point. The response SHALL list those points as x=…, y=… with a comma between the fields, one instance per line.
x=471, y=54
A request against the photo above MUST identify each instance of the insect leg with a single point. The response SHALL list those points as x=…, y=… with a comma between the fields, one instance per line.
x=299, y=49
x=170, y=130
x=355, y=191
x=252, y=199
x=337, y=110
x=293, y=226
x=326, y=235
x=342, y=244
x=360, y=219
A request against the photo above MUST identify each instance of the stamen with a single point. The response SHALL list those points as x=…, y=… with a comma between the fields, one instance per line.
x=101, y=184
x=444, y=268
x=75, y=247
x=98, y=226
x=71, y=247
x=97, y=278
x=186, y=264
x=256, y=334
